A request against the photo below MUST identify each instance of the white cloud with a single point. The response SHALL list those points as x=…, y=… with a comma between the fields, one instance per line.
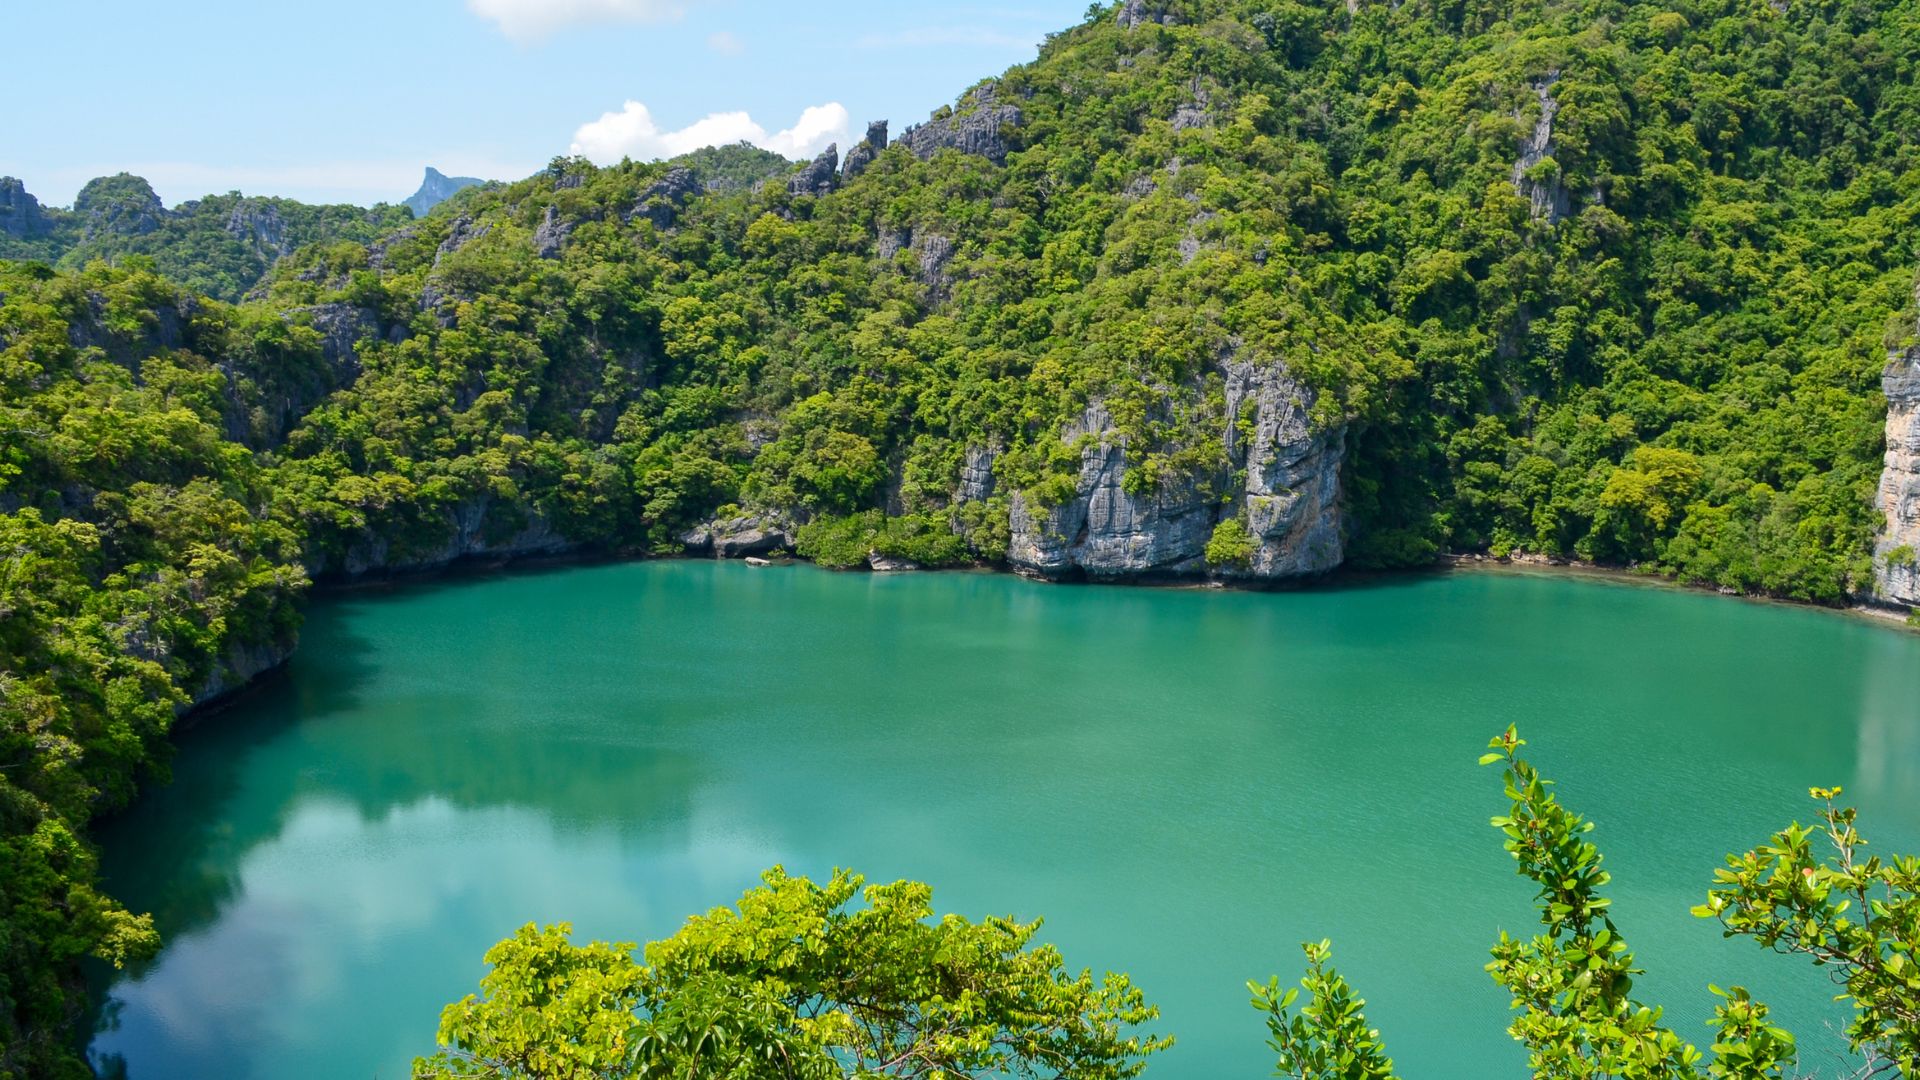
x=632, y=132
x=531, y=20
x=726, y=44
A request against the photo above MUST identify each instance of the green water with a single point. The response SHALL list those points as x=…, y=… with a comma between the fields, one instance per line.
x=1186, y=783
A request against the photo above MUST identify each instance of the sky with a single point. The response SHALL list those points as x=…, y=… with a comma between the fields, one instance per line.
x=348, y=100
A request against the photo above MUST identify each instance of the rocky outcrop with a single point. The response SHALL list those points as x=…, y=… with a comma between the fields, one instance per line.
x=1548, y=195
x=1289, y=502
x=978, y=126
x=476, y=529
x=889, y=564
x=462, y=233
x=242, y=663
x=661, y=202
x=20, y=214
x=819, y=176
x=976, y=475
x=122, y=204
x=1103, y=530
x=869, y=148
x=935, y=252
x=435, y=188
x=258, y=222
x=552, y=235
x=1136, y=13
x=1897, y=552
x=737, y=537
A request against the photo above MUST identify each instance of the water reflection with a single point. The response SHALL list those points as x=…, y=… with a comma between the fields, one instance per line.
x=1185, y=783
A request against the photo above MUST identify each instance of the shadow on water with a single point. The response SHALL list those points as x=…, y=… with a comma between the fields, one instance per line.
x=484, y=748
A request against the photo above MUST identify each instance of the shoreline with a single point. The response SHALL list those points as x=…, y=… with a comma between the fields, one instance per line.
x=476, y=567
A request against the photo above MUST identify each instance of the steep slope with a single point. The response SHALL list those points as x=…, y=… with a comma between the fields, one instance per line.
x=1245, y=288
x=1595, y=280
x=435, y=188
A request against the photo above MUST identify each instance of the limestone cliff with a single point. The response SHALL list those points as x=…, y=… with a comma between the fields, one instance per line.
x=1896, y=566
x=1284, y=486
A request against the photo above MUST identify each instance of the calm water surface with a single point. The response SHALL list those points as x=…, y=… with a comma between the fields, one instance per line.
x=1185, y=783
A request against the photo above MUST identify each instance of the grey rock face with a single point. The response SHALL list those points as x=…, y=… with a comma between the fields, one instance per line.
x=242, y=663
x=473, y=531
x=258, y=222
x=891, y=243
x=122, y=204
x=661, y=202
x=1136, y=13
x=1103, y=531
x=1292, y=494
x=436, y=188
x=1897, y=573
x=552, y=235
x=869, y=148
x=1290, y=501
x=888, y=564
x=935, y=253
x=976, y=476
x=820, y=176
x=978, y=127
x=1549, y=198
x=20, y=215
x=464, y=232
x=737, y=537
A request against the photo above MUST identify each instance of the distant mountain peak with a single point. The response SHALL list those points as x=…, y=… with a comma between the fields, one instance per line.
x=437, y=187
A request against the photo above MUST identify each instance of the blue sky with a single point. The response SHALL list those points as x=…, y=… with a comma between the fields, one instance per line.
x=347, y=100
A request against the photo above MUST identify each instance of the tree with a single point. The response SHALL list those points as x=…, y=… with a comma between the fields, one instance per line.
x=797, y=983
x=1571, y=985
x=1860, y=918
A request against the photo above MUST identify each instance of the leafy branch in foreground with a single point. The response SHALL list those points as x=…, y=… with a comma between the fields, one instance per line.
x=796, y=984
x=1858, y=917
x=1571, y=985
x=1328, y=1039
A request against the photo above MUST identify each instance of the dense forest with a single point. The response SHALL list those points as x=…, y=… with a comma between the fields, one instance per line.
x=1247, y=288
x=221, y=245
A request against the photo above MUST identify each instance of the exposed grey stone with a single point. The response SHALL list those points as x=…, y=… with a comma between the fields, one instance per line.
x=889, y=564
x=1896, y=572
x=238, y=667
x=976, y=475
x=1136, y=13
x=258, y=221
x=737, y=537
x=1103, y=530
x=435, y=188
x=1292, y=493
x=935, y=253
x=476, y=528
x=866, y=150
x=1290, y=501
x=123, y=205
x=819, y=176
x=978, y=127
x=892, y=242
x=20, y=214
x=1549, y=199
x=462, y=233
x=661, y=202
x=552, y=235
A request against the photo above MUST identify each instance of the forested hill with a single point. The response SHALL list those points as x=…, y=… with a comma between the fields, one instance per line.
x=220, y=245
x=1250, y=288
